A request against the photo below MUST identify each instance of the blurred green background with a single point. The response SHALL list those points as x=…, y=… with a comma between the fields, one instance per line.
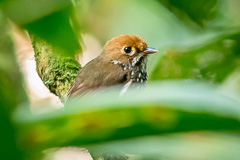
x=190, y=108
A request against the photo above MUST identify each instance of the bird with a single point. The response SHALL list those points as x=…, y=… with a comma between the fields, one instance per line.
x=123, y=61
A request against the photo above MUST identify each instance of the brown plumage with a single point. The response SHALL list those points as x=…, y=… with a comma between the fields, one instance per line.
x=122, y=62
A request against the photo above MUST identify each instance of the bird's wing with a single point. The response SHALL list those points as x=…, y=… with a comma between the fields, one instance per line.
x=97, y=74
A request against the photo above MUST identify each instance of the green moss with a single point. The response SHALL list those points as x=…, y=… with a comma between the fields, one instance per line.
x=56, y=71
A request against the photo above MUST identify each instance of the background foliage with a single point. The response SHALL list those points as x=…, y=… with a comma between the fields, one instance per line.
x=190, y=108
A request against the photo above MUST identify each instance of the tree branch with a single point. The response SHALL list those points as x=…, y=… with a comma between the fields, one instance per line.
x=57, y=71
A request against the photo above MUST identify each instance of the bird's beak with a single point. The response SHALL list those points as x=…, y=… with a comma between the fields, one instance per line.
x=150, y=51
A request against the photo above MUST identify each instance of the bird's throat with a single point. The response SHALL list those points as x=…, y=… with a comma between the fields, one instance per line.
x=136, y=67
x=138, y=73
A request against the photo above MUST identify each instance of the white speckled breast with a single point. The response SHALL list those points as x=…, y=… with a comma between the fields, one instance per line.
x=137, y=70
x=137, y=67
x=139, y=73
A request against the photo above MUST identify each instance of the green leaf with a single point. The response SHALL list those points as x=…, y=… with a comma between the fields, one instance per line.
x=11, y=93
x=162, y=108
x=49, y=20
x=182, y=146
x=198, y=11
x=27, y=11
x=57, y=31
x=202, y=61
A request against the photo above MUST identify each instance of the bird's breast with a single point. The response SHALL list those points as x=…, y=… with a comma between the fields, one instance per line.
x=138, y=73
x=136, y=69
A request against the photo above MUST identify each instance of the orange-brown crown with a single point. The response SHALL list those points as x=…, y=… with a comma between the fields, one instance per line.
x=126, y=40
x=115, y=47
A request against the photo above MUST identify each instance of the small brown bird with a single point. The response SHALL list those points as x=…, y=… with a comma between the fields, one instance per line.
x=123, y=61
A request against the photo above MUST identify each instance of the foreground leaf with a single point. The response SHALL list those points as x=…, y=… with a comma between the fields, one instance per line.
x=182, y=146
x=163, y=107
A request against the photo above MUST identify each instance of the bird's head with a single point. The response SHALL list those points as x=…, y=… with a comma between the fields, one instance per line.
x=125, y=47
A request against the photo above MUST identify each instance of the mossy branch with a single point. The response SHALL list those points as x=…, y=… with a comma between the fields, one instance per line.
x=57, y=71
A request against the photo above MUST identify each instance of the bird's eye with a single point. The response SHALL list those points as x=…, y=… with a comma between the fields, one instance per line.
x=128, y=50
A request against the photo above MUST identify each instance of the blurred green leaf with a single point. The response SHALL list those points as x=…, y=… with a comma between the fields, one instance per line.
x=8, y=146
x=169, y=94
x=182, y=146
x=49, y=20
x=11, y=93
x=161, y=108
x=57, y=31
x=213, y=62
x=27, y=11
x=198, y=11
